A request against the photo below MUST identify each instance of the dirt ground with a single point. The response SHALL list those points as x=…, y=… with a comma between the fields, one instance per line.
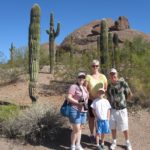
x=17, y=93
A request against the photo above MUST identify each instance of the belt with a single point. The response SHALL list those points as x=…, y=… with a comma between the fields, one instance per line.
x=118, y=108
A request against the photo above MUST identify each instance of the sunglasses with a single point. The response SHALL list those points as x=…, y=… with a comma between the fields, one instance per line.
x=95, y=66
x=81, y=77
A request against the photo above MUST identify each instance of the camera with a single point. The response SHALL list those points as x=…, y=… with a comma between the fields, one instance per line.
x=81, y=100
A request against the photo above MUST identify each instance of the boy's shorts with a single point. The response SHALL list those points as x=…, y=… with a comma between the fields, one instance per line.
x=77, y=117
x=102, y=127
x=119, y=119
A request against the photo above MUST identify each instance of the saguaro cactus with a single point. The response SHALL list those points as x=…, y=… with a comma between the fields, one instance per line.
x=71, y=51
x=98, y=46
x=104, y=46
x=34, y=48
x=52, y=35
x=111, y=49
x=116, y=52
x=12, y=51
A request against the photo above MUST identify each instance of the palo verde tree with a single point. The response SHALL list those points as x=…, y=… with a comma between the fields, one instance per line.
x=52, y=35
x=104, y=46
x=34, y=49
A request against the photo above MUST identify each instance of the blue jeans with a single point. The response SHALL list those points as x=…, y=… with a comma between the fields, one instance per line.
x=77, y=117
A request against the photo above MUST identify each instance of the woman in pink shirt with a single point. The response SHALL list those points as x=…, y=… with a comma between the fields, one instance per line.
x=78, y=98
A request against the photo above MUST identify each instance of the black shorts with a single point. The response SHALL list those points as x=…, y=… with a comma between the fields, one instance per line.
x=90, y=108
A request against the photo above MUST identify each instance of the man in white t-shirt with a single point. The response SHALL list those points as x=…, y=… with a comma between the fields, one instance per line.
x=101, y=109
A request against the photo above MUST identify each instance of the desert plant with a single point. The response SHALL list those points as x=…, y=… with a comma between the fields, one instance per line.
x=111, y=50
x=116, y=51
x=36, y=124
x=34, y=48
x=52, y=35
x=104, y=46
x=12, y=51
x=98, y=46
x=71, y=51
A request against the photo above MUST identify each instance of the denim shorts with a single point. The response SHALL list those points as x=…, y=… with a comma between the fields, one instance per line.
x=77, y=117
x=102, y=127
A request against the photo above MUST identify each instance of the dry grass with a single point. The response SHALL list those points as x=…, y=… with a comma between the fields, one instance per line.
x=36, y=124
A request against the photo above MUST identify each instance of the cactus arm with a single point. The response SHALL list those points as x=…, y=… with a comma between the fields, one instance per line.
x=57, y=30
x=47, y=31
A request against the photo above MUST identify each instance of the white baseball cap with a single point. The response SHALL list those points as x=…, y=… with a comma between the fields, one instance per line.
x=101, y=89
x=113, y=70
x=81, y=74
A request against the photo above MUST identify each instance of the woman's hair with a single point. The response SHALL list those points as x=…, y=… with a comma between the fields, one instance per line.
x=95, y=62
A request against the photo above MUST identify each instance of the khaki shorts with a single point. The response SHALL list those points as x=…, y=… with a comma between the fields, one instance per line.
x=119, y=119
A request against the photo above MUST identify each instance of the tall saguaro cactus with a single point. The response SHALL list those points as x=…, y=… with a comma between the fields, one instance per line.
x=104, y=46
x=98, y=46
x=111, y=49
x=52, y=35
x=34, y=48
x=71, y=51
x=116, y=52
x=12, y=51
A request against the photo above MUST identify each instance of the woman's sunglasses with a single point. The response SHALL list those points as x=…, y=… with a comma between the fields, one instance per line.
x=81, y=77
x=95, y=66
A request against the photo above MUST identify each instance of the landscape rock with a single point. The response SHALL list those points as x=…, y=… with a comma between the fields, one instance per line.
x=85, y=38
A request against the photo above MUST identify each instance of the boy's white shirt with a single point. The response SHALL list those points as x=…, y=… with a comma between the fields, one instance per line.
x=101, y=107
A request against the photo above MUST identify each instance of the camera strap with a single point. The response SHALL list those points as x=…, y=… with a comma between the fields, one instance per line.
x=80, y=88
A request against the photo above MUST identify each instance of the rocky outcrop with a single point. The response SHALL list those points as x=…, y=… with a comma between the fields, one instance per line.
x=85, y=38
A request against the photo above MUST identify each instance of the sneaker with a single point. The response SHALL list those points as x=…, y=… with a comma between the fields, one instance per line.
x=79, y=147
x=73, y=147
x=113, y=146
x=98, y=147
x=128, y=145
x=102, y=146
x=92, y=139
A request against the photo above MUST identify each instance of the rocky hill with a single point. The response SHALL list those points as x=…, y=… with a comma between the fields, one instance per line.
x=85, y=38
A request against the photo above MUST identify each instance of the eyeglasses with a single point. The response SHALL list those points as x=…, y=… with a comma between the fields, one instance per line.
x=81, y=77
x=95, y=66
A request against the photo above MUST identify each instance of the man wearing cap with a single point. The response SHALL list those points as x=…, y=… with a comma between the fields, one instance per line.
x=118, y=92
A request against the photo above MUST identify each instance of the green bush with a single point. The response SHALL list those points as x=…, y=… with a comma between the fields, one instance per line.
x=37, y=124
x=8, y=111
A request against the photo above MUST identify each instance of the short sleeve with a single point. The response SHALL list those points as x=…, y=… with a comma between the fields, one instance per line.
x=72, y=90
x=92, y=105
x=108, y=105
x=88, y=78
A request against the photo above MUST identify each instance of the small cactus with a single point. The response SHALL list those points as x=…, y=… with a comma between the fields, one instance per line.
x=12, y=53
x=34, y=49
x=52, y=35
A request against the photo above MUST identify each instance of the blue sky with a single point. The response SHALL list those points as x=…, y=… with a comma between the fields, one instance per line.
x=15, y=16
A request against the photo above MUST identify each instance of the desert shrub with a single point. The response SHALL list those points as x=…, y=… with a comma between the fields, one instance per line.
x=134, y=64
x=8, y=111
x=8, y=75
x=80, y=62
x=36, y=124
x=44, y=57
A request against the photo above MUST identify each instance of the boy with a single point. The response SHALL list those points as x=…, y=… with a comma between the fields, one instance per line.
x=101, y=109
